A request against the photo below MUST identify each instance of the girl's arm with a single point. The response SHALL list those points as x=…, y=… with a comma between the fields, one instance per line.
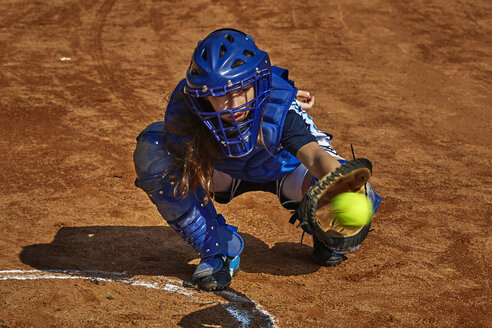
x=317, y=160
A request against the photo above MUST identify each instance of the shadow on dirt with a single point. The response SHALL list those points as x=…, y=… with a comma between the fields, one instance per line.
x=239, y=311
x=153, y=251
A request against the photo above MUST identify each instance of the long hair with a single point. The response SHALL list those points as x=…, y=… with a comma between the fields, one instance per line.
x=195, y=154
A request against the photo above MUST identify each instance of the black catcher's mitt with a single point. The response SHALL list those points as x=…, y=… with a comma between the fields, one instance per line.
x=315, y=210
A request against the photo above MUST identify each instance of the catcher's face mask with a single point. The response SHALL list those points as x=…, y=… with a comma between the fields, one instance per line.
x=229, y=70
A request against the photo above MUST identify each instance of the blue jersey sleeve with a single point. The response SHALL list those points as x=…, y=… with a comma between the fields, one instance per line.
x=295, y=133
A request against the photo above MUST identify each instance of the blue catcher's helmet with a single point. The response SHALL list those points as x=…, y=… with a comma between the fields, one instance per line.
x=228, y=60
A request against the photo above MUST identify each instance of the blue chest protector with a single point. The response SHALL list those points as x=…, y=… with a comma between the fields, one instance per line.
x=269, y=162
x=265, y=163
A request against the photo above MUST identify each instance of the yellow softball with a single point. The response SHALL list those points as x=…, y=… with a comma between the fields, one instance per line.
x=352, y=209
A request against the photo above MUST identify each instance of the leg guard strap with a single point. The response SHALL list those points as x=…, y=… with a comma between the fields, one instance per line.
x=208, y=236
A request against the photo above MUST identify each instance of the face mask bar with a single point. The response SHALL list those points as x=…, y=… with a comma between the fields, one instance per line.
x=230, y=132
x=221, y=91
x=236, y=137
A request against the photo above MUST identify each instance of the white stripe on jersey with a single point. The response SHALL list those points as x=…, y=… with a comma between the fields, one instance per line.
x=322, y=138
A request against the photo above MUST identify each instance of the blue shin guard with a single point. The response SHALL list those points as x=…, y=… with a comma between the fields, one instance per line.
x=199, y=224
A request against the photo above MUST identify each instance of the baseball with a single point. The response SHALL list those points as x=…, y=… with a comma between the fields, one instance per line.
x=352, y=209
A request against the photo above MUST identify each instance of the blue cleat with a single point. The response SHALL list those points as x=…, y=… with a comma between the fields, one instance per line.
x=215, y=273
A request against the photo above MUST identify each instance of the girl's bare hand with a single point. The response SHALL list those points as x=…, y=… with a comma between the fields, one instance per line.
x=306, y=100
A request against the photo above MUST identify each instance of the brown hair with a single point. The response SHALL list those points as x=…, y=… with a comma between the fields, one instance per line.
x=195, y=154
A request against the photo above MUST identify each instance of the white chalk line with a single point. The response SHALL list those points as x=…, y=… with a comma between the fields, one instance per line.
x=234, y=307
x=257, y=306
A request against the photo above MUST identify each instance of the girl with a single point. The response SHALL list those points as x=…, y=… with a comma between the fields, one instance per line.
x=233, y=125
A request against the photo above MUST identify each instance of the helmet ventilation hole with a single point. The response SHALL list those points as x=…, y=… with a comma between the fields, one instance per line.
x=237, y=63
x=204, y=54
x=248, y=53
x=222, y=51
x=229, y=38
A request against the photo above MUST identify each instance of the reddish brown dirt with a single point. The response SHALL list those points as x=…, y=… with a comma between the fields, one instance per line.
x=407, y=82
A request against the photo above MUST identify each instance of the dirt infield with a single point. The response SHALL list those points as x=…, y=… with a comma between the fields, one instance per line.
x=406, y=82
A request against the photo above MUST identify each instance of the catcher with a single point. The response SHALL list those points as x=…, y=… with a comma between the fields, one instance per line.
x=234, y=125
